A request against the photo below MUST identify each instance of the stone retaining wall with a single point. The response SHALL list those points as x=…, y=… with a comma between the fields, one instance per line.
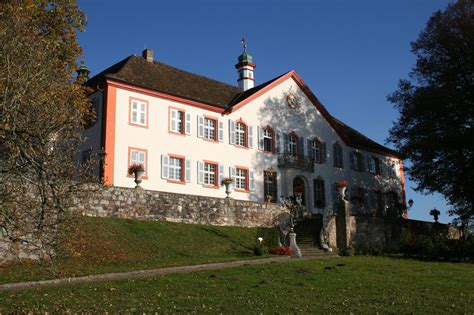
x=370, y=232
x=142, y=204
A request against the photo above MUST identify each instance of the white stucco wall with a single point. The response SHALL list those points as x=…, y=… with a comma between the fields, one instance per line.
x=268, y=109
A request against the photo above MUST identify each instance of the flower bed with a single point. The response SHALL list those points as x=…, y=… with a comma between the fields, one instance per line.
x=283, y=250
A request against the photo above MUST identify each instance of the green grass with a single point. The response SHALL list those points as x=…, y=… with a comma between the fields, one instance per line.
x=337, y=285
x=103, y=245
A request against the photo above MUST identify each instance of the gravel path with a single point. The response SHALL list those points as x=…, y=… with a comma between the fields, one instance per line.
x=153, y=272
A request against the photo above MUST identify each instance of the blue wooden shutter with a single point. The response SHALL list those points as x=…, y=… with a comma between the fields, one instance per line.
x=188, y=170
x=278, y=142
x=200, y=170
x=200, y=126
x=231, y=131
x=188, y=124
x=301, y=146
x=173, y=120
x=260, y=137
x=221, y=174
x=250, y=136
x=164, y=166
x=251, y=181
x=324, y=153
x=232, y=173
x=286, y=143
x=353, y=166
x=221, y=131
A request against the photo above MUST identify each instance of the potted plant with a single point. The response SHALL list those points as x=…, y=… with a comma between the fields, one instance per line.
x=138, y=171
x=226, y=181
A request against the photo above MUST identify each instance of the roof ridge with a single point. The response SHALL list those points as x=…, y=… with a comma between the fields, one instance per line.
x=195, y=74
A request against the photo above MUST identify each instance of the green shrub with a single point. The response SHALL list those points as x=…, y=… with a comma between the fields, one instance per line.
x=270, y=236
x=436, y=247
x=258, y=250
x=348, y=251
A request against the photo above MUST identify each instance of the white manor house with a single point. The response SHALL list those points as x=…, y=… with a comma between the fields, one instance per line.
x=274, y=139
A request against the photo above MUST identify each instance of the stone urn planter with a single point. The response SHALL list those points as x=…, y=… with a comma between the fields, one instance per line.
x=227, y=181
x=341, y=188
x=138, y=171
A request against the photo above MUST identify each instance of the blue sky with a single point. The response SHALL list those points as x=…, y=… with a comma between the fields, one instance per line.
x=350, y=53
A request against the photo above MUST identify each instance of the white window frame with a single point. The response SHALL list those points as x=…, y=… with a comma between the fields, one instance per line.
x=174, y=169
x=139, y=158
x=268, y=135
x=293, y=145
x=210, y=172
x=241, y=179
x=240, y=134
x=210, y=129
x=138, y=110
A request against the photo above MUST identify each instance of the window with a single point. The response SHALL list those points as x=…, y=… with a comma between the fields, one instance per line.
x=293, y=145
x=240, y=134
x=270, y=193
x=138, y=112
x=374, y=165
x=210, y=126
x=315, y=150
x=175, y=169
x=356, y=161
x=338, y=157
x=268, y=142
x=357, y=196
x=241, y=179
x=177, y=121
x=319, y=193
x=392, y=172
x=137, y=156
x=210, y=174
x=377, y=203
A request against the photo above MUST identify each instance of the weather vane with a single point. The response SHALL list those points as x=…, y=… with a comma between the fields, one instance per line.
x=244, y=43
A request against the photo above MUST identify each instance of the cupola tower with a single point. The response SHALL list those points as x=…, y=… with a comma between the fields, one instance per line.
x=245, y=68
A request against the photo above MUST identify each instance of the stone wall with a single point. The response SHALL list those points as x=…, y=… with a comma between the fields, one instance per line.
x=363, y=232
x=108, y=201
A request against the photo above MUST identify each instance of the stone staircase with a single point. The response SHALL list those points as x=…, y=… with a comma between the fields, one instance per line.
x=307, y=237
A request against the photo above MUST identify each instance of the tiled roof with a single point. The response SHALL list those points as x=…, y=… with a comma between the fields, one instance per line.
x=361, y=141
x=170, y=80
x=166, y=79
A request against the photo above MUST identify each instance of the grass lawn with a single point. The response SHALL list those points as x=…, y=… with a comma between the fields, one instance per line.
x=102, y=245
x=338, y=285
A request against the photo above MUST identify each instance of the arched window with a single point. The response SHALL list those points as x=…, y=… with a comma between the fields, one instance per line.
x=268, y=139
x=241, y=134
x=293, y=144
x=338, y=157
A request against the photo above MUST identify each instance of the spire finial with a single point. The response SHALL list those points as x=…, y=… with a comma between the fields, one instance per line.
x=244, y=44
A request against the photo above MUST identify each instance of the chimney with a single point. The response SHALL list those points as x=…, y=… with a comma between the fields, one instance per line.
x=148, y=54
